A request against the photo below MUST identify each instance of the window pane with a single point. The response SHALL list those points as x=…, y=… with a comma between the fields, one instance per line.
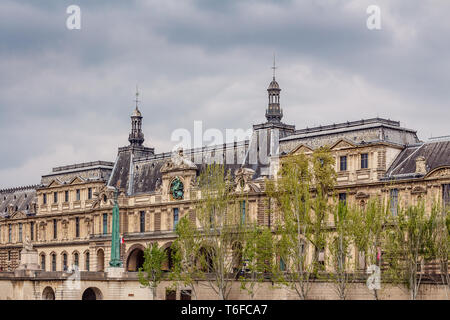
x=105, y=223
x=142, y=221
x=175, y=217
x=343, y=163
x=364, y=161
x=394, y=201
x=446, y=196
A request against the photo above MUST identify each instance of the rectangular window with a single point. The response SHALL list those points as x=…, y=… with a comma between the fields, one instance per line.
x=64, y=262
x=66, y=196
x=87, y=261
x=446, y=196
x=20, y=232
x=54, y=262
x=343, y=163
x=77, y=227
x=55, y=197
x=364, y=161
x=175, y=217
x=78, y=195
x=243, y=211
x=142, y=221
x=44, y=198
x=55, y=229
x=343, y=198
x=43, y=262
x=76, y=259
x=394, y=201
x=321, y=257
x=105, y=223
x=9, y=233
x=89, y=193
x=32, y=230
x=9, y=255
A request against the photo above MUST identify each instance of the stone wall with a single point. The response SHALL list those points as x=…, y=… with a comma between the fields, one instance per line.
x=13, y=287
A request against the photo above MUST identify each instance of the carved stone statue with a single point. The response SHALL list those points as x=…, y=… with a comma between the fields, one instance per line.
x=27, y=245
x=28, y=257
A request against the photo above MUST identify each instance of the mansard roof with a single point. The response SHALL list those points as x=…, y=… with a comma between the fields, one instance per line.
x=350, y=126
x=436, y=154
x=21, y=197
x=142, y=174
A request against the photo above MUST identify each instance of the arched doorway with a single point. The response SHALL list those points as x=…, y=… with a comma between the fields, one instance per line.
x=205, y=259
x=168, y=264
x=135, y=259
x=100, y=260
x=92, y=293
x=237, y=257
x=48, y=294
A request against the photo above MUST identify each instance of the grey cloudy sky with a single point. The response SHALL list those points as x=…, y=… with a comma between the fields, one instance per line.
x=66, y=95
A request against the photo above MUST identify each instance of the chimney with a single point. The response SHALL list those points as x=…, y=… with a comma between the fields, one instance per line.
x=421, y=165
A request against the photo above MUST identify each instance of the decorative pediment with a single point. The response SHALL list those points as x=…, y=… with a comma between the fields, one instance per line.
x=301, y=148
x=418, y=189
x=18, y=215
x=55, y=183
x=178, y=163
x=77, y=180
x=104, y=197
x=361, y=195
x=342, y=144
x=440, y=172
x=243, y=180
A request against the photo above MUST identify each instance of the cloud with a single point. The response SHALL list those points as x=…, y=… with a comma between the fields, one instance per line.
x=66, y=96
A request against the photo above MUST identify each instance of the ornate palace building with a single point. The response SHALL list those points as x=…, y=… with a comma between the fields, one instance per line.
x=67, y=218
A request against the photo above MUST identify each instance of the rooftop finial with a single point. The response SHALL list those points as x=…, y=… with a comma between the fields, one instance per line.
x=137, y=97
x=274, y=66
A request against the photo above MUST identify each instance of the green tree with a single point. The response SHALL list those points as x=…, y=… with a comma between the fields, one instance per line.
x=221, y=225
x=186, y=270
x=258, y=255
x=409, y=245
x=302, y=220
x=368, y=228
x=150, y=275
x=441, y=242
x=339, y=244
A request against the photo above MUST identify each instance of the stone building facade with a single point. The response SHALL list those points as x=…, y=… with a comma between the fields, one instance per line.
x=67, y=217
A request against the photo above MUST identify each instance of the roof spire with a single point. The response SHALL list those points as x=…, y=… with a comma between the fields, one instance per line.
x=274, y=66
x=137, y=97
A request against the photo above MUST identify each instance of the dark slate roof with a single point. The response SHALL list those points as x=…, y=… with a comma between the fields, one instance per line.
x=121, y=171
x=138, y=174
x=436, y=154
x=146, y=175
x=21, y=197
